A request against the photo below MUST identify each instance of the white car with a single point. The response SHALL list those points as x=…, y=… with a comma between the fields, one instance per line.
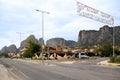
x=83, y=55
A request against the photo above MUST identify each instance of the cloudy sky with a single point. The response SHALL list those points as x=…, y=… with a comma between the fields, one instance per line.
x=20, y=16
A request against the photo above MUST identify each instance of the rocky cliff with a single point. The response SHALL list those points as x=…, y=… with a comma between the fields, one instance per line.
x=85, y=38
x=13, y=48
x=61, y=41
x=71, y=43
x=104, y=35
x=9, y=49
x=55, y=41
x=31, y=38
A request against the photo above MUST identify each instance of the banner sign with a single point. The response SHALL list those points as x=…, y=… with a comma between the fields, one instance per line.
x=86, y=11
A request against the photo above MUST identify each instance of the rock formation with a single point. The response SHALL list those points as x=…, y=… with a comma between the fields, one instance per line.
x=26, y=41
x=55, y=41
x=9, y=49
x=61, y=41
x=102, y=36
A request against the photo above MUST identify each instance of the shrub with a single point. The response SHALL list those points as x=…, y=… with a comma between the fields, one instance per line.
x=106, y=50
x=117, y=59
x=112, y=59
x=4, y=55
x=33, y=48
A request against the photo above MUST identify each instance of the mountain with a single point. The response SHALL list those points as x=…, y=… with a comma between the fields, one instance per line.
x=13, y=48
x=85, y=38
x=55, y=41
x=9, y=49
x=104, y=35
x=61, y=41
x=50, y=42
x=4, y=49
x=29, y=38
x=41, y=41
x=71, y=43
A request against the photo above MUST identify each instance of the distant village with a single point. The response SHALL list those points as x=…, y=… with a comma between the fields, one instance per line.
x=57, y=53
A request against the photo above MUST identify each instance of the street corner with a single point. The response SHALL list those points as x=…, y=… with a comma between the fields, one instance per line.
x=105, y=63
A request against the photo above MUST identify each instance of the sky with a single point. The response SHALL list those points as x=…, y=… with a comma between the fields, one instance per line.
x=20, y=17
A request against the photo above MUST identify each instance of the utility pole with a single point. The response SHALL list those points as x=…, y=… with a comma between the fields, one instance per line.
x=20, y=34
x=42, y=31
x=113, y=41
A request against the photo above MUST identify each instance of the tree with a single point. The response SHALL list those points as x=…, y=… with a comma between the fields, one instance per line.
x=117, y=52
x=33, y=48
x=106, y=50
x=4, y=55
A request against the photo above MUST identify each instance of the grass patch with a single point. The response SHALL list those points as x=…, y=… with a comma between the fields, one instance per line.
x=115, y=59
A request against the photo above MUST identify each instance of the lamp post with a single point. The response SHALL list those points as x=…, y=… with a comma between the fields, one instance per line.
x=42, y=29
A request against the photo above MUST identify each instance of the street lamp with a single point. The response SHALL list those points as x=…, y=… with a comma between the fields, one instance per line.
x=42, y=29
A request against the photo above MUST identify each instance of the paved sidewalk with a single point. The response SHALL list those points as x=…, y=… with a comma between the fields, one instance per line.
x=4, y=75
x=8, y=74
x=105, y=63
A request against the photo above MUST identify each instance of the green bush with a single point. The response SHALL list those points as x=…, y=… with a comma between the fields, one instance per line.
x=33, y=48
x=4, y=55
x=106, y=50
x=117, y=59
x=112, y=59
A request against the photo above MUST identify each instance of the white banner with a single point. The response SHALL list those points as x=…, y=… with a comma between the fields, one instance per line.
x=86, y=11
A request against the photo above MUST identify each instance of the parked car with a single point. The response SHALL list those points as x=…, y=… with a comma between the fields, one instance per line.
x=83, y=55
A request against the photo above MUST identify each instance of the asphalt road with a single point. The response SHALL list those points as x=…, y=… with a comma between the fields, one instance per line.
x=87, y=70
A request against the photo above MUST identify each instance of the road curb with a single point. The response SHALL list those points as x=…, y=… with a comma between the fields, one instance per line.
x=105, y=63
